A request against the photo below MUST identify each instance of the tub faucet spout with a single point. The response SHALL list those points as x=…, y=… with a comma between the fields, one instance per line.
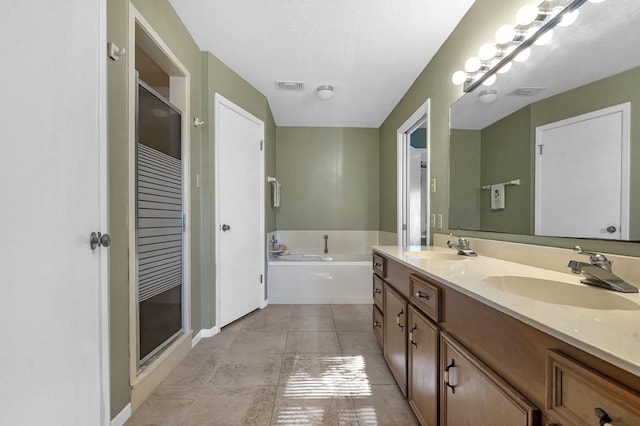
x=326, y=244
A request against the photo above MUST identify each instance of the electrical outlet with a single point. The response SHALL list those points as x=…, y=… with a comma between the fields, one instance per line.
x=433, y=185
x=439, y=220
x=433, y=220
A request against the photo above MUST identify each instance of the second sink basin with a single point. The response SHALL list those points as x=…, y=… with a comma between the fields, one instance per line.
x=561, y=293
x=434, y=255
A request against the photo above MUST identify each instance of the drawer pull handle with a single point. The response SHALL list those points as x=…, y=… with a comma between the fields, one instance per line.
x=604, y=418
x=377, y=265
x=415, y=326
x=377, y=291
x=377, y=324
x=398, y=318
x=450, y=376
x=422, y=296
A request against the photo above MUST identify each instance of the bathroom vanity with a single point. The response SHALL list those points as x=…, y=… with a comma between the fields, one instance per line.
x=483, y=341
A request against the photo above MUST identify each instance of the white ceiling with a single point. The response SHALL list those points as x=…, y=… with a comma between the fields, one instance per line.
x=370, y=51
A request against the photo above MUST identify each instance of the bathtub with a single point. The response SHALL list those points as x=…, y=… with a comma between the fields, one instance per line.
x=319, y=278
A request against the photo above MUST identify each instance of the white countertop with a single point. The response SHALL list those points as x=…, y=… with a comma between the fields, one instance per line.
x=601, y=322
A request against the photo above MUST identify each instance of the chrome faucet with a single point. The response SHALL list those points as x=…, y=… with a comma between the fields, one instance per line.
x=462, y=246
x=326, y=244
x=598, y=272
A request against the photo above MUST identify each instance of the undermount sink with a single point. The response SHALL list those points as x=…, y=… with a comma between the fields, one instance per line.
x=434, y=255
x=561, y=293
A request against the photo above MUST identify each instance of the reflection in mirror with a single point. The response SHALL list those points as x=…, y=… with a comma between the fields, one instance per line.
x=555, y=99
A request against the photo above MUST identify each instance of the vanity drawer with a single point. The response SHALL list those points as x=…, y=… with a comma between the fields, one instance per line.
x=378, y=324
x=426, y=297
x=574, y=391
x=380, y=265
x=378, y=291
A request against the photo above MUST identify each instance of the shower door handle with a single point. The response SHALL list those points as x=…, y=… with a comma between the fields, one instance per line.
x=225, y=227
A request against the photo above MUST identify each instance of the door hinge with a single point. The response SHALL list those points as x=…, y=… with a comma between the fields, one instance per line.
x=404, y=226
x=261, y=144
x=540, y=149
x=184, y=222
x=261, y=278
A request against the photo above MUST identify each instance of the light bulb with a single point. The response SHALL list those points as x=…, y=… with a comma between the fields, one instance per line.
x=473, y=64
x=490, y=80
x=527, y=14
x=569, y=19
x=544, y=38
x=459, y=77
x=523, y=56
x=596, y=1
x=487, y=51
x=505, y=68
x=505, y=34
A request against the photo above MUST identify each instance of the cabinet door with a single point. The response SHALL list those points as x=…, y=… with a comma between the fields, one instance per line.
x=378, y=324
x=423, y=367
x=472, y=394
x=395, y=335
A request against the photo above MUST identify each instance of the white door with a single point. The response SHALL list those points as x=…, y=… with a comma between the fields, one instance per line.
x=582, y=174
x=239, y=211
x=53, y=308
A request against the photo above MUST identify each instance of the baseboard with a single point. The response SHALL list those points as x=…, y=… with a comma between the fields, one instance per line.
x=324, y=300
x=122, y=416
x=204, y=333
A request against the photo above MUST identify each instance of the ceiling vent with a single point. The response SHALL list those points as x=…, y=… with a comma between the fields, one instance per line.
x=289, y=85
x=526, y=91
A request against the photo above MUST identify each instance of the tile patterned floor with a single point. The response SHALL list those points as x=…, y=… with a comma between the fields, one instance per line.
x=283, y=365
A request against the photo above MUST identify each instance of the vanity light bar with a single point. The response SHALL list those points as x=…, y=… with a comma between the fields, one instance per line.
x=522, y=40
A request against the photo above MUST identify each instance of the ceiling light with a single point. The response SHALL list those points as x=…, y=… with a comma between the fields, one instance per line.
x=473, y=64
x=488, y=96
x=527, y=14
x=487, y=51
x=459, y=77
x=523, y=56
x=490, y=80
x=325, y=92
x=505, y=34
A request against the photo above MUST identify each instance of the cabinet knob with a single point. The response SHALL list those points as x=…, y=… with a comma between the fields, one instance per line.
x=422, y=296
x=604, y=418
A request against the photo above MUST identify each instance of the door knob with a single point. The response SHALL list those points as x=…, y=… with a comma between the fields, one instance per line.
x=611, y=229
x=225, y=227
x=99, y=239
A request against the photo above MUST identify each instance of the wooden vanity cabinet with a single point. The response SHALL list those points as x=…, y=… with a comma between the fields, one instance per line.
x=472, y=394
x=378, y=325
x=574, y=392
x=423, y=367
x=395, y=335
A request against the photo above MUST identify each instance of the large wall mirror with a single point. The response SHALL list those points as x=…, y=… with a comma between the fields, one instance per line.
x=557, y=151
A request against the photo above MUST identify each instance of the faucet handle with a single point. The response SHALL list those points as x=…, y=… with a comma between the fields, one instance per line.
x=596, y=258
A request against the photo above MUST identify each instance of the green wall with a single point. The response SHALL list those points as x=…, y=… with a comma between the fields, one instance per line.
x=208, y=75
x=464, y=185
x=505, y=155
x=219, y=78
x=329, y=178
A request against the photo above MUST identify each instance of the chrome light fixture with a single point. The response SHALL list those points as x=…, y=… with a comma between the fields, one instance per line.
x=325, y=92
x=534, y=25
